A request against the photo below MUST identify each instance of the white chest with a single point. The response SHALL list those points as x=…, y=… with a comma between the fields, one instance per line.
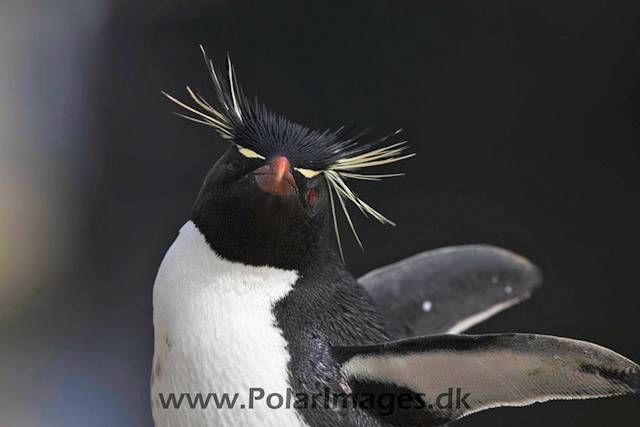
x=215, y=333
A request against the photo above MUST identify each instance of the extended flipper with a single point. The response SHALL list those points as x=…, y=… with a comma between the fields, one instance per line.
x=490, y=370
x=451, y=289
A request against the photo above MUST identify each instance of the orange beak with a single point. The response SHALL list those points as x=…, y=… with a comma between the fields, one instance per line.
x=276, y=179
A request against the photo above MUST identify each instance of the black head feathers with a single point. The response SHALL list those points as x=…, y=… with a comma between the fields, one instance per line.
x=259, y=133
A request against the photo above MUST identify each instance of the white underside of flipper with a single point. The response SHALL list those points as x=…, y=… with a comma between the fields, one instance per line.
x=215, y=332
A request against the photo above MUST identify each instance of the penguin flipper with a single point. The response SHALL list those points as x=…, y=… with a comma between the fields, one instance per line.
x=490, y=370
x=449, y=290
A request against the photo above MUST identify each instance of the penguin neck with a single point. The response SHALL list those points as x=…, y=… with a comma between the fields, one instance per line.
x=243, y=240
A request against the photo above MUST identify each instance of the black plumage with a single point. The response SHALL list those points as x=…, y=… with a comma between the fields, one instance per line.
x=338, y=332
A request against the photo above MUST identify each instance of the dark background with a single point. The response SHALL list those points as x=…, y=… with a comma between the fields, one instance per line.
x=525, y=117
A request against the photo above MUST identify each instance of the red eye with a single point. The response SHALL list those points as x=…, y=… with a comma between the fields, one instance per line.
x=232, y=166
x=312, y=195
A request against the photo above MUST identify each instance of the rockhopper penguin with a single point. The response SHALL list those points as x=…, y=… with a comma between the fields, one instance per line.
x=253, y=300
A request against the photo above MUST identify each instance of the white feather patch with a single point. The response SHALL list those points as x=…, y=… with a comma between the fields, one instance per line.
x=215, y=332
x=471, y=321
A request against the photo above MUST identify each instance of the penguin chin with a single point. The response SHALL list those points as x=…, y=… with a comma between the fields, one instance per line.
x=256, y=228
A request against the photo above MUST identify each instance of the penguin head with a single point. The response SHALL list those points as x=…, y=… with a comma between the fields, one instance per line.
x=263, y=212
x=272, y=198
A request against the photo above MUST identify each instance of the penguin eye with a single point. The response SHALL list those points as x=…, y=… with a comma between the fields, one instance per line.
x=312, y=195
x=232, y=166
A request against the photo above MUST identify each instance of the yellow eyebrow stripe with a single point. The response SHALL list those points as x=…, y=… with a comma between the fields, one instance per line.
x=308, y=173
x=250, y=154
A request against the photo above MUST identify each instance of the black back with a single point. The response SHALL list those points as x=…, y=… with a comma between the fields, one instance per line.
x=327, y=308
